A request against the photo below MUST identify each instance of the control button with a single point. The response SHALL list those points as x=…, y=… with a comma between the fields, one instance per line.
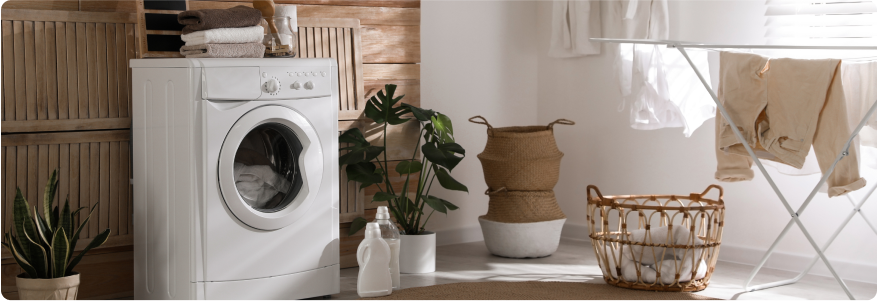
x=291, y=74
x=323, y=73
x=309, y=85
x=272, y=86
x=264, y=74
x=313, y=73
x=296, y=85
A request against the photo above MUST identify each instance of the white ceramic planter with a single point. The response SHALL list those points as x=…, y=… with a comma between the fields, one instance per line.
x=417, y=253
x=521, y=240
x=64, y=288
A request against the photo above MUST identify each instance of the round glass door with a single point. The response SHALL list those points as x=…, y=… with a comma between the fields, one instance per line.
x=270, y=167
x=266, y=172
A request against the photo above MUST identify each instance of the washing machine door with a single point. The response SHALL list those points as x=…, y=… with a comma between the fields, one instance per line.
x=270, y=167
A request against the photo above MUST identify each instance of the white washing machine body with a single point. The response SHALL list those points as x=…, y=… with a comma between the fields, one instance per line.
x=235, y=178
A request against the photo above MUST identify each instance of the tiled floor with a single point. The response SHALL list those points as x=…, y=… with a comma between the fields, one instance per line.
x=575, y=261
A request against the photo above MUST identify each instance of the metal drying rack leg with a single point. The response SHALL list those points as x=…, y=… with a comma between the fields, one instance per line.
x=794, y=214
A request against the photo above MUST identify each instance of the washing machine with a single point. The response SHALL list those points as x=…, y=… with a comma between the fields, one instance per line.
x=235, y=178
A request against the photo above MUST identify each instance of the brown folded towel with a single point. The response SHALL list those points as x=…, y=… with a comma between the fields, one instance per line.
x=204, y=19
x=251, y=50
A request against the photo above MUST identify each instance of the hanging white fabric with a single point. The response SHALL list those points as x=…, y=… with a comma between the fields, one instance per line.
x=573, y=23
x=656, y=81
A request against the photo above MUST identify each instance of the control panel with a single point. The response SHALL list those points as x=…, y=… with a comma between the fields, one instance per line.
x=295, y=82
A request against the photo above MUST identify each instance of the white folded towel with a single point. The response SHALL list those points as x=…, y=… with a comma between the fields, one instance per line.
x=252, y=34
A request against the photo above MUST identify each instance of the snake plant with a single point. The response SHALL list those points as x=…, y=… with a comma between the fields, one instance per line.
x=42, y=245
x=440, y=155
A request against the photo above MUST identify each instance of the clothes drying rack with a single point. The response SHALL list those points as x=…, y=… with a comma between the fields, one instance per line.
x=681, y=46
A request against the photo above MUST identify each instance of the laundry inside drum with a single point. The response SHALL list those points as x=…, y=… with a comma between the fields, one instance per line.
x=266, y=169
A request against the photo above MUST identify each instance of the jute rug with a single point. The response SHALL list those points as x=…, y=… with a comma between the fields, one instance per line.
x=532, y=290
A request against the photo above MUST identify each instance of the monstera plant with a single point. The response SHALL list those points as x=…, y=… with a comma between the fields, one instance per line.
x=365, y=164
x=42, y=245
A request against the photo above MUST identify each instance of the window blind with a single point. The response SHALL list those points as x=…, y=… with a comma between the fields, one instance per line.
x=825, y=22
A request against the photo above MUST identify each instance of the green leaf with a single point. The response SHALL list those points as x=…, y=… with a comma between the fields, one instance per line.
x=380, y=107
x=447, y=181
x=360, y=150
x=407, y=167
x=60, y=247
x=443, y=154
x=357, y=224
x=15, y=249
x=383, y=197
x=95, y=242
x=410, y=207
x=420, y=114
x=43, y=231
x=435, y=203
x=37, y=257
x=450, y=205
x=23, y=223
x=49, y=196
x=443, y=127
x=56, y=218
x=364, y=172
x=75, y=238
x=66, y=219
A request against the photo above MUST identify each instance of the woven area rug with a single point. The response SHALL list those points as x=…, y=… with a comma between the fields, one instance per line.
x=532, y=290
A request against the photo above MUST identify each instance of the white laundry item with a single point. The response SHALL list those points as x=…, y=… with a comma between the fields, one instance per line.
x=659, y=84
x=648, y=260
x=242, y=35
x=258, y=184
x=573, y=23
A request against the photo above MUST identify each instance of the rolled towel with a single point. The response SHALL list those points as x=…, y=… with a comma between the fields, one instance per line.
x=252, y=34
x=204, y=19
x=247, y=50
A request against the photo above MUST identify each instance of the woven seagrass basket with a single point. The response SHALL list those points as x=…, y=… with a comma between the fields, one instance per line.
x=521, y=158
x=522, y=206
x=656, y=242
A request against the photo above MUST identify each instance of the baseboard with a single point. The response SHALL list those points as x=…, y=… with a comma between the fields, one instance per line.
x=458, y=236
x=781, y=261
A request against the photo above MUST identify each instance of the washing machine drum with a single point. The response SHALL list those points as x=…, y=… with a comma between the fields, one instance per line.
x=269, y=168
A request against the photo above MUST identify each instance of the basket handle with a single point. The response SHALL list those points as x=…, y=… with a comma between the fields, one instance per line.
x=560, y=121
x=595, y=189
x=488, y=192
x=483, y=121
x=721, y=191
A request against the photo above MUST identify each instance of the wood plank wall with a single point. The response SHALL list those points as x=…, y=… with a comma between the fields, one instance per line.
x=391, y=54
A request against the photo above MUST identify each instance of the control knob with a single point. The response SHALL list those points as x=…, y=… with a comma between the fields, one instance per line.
x=296, y=85
x=309, y=85
x=272, y=85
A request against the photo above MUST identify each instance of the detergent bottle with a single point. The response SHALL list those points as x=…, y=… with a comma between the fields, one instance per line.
x=373, y=256
x=391, y=235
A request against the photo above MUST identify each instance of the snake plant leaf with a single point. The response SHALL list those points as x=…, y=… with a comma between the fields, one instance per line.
x=420, y=114
x=66, y=219
x=435, y=203
x=38, y=257
x=60, y=247
x=23, y=223
x=43, y=230
x=408, y=167
x=447, y=181
x=364, y=172
x=95, y=242
x=357, y=224
x=56, y=217
x=75, y=238
x=19, y=257
x=49, y=196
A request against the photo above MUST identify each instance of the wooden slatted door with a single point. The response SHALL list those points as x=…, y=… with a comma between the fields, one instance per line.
x=339, y=39
x=66, y=71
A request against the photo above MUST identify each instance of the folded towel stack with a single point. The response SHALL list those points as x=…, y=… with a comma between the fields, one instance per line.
x=222, y=33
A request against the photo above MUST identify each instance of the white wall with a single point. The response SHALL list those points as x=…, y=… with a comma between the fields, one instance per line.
x=603, y=150
x=478, y=58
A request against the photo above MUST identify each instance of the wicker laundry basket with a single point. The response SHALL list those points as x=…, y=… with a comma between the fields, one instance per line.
x=637, y=232
x=521, y=157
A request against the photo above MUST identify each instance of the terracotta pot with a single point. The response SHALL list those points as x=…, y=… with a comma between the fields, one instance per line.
x=64, y=288
x=417, y=253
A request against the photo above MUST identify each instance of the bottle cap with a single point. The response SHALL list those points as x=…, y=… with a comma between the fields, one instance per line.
x=383, y=213
x=372, y=230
